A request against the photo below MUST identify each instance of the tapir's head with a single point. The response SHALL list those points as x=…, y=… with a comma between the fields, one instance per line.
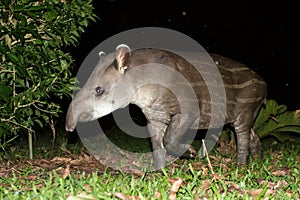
x=105, y=91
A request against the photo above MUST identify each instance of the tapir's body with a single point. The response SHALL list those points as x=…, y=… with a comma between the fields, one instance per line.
x=170, y=113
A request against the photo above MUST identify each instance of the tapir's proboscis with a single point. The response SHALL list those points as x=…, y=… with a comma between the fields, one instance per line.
x=245, y=92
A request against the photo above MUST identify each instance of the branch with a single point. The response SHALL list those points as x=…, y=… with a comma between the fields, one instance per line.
x=26, y=105
x=43, y=109
x=7, y=71
x=53, y=60
x=36, y=87
x=16, y=123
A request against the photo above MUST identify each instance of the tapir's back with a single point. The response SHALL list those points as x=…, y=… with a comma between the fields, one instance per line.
x=245, y=89
x=232, y=83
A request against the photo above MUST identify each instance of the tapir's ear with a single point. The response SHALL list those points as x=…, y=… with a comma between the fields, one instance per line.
x=101, y=56
x=123, y=56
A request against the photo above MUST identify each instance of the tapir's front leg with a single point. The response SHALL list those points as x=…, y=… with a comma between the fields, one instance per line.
x=177, y=128
x=157, y=132
x=158, y=122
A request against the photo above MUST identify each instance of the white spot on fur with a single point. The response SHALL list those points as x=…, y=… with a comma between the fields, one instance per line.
x=101, y=53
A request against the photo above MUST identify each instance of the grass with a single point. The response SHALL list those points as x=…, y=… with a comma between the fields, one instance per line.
x=276, y=177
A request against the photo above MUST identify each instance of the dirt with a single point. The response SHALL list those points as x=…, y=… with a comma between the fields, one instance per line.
x=67, y=164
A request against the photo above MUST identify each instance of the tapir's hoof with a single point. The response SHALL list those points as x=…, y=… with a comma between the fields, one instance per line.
x=159, y=158
x=242, y=158
x=255, y=146
x=190, y=153
x=257, y=154
x=182, y=151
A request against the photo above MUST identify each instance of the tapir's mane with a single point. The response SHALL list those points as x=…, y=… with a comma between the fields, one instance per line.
x=150, y=55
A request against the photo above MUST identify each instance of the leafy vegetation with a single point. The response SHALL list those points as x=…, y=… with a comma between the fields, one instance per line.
x=79, y=176
x=34, y=70
x=275, y=120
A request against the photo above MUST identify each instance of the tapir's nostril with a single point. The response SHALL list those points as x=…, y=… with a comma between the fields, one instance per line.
x=69, y=129
x=69, y=126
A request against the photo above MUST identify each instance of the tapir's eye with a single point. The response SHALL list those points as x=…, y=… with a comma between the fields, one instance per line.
x=99, y=91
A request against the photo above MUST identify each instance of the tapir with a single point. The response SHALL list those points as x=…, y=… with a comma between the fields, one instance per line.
x=168, y=111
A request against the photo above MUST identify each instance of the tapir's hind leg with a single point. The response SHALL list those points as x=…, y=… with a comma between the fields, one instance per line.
x=242, y=131
x=254, y=146
x=246, y=140
x=176, y=129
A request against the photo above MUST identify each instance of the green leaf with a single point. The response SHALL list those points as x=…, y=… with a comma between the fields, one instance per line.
x=38, y=41
x=12, y=57
x=37, y=8
x=281, y=136
x=3, y=48
x=32, y=29
x=75, y=33
x=39, y=122
x=274, y=120
x=48, y=81
x=45, y=117
x=84, y=23
x=294, y=129
x=17, y=7
x=21, y=70
x=33, y=15
x=50, y=15
x=37, y=112
x=63, y=64
x=6, y=3
x=20, y=83
x=5, y=92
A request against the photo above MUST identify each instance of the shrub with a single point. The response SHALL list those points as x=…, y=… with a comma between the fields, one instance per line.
x=34, y=69
x=275, y=120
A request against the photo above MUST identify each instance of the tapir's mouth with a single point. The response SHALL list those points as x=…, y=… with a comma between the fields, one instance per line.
x=85, y=117
x=72, y=120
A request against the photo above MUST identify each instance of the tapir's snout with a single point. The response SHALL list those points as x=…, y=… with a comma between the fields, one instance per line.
x=78, y=112
x=70, y=125
x=71, y=119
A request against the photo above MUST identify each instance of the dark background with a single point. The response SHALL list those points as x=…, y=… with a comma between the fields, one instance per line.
x=263, y=35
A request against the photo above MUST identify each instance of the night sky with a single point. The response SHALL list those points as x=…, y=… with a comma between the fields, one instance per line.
x=264, y=36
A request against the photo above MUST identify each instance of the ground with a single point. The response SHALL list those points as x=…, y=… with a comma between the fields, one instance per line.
x=76, y=173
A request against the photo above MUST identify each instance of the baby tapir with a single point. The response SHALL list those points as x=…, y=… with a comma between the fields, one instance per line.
x=245, y=92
